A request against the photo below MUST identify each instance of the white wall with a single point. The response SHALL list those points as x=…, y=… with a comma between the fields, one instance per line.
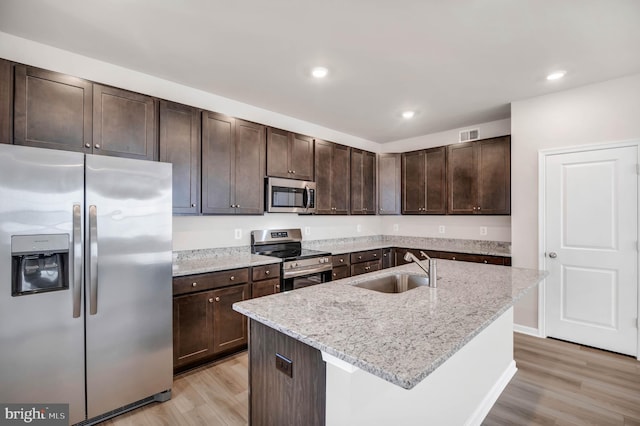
x=218, y=231
x=598, y=113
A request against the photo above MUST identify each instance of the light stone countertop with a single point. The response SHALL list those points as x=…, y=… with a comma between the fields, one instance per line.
x=403, y=337
x=347, y=245
x=210, y=260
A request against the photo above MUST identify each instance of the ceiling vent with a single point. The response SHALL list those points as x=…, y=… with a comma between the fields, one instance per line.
x=469, y=135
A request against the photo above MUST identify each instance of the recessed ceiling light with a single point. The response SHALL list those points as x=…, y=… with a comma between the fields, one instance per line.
x=319, y=72
x=408, y=114
x=556, y=75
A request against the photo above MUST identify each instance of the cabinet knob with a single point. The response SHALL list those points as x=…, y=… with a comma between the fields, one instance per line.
x=267, y=272
x=217, y=299
x=359, y=257
x=484, y=261
x=474, y=209
x=193, y=205
x=453, y=258
x=194, y=284
x=232, y=278
x=341, y=260
x=289, y=171
x=277, y=286
x=335, y=275
x=237, y=206
x=97, y=146
x=375, y=254
x=87, y=145
x=478, y=208
x=293, y=171
x=211, y=300
x=385, y=254
x=366, y=268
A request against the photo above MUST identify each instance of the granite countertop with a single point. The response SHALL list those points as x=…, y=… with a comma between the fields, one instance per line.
x=347, y=245
x=210, y=260
x=403, y=337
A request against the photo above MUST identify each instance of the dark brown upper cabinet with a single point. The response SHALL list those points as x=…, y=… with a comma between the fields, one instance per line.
x=332, y=163
x=6, y=99
x=289, y=155
x=124, y=123
x=389, y=183
x=52, y=110
x=180, y=145
x=479, y=176
x=363, y=182
x=233, y=157
x=424, y=189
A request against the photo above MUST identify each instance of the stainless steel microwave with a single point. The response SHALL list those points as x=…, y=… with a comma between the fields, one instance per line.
x=290, y=196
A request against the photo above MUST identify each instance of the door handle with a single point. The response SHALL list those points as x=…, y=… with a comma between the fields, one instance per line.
x=92, y=270
x=553, y=255
x=76, y=268
x=307, y=193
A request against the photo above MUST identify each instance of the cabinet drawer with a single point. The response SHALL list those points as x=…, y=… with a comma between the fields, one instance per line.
x=365, y=256
x=340, y=259
x=193, y=283
x=265, y=287
x=259, y=273
x=340, y=272
x=364, y=267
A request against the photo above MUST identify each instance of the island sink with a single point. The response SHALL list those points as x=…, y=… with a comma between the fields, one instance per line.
x=397, y=283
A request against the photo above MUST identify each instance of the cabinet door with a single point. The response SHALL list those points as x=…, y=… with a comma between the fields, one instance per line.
x=323, y=165
x=413, y=182
x=462, y=179
x=494, y=176
x=249, y=167
x=265, y=288
x=180, y=146
x=229, y=326
x=278, y=153
x=436, y=176
x=301, y=157
x=6, y=98
x=218, y=163
x=363, y=182
x=340, y=179
x=389, y=183
x=124, y=124
x=388, y=258
x=52, y=110
x=192, y=328
x=340, y=272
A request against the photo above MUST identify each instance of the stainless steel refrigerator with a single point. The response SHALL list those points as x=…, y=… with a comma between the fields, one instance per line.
x=85, y=280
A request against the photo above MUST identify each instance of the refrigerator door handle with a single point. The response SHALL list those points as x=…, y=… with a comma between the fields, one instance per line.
x=92, y=276
x=76, y=269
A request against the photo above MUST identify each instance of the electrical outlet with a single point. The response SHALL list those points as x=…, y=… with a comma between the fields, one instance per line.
x=441, y=229
x=307, y=230
x=483, y=230
x=284, y=365
x=359, y=228
x=237, y=233
x=395, y=227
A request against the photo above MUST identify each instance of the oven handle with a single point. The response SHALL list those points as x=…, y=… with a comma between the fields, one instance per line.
x=306, y=271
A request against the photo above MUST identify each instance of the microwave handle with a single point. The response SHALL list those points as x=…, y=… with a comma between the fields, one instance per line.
x=307, y=192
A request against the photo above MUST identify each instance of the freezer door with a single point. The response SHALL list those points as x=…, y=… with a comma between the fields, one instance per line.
x=41, y=328
x=128, y=281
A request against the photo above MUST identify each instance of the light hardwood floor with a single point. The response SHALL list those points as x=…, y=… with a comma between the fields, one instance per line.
x=557, y=383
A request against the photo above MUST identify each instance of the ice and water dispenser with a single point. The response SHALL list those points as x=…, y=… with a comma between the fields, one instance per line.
x=39, y=263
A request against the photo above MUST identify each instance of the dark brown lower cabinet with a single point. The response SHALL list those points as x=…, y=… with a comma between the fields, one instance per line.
x=205, y=324
x=278, y=398
x=464, y=257
x=388, y=258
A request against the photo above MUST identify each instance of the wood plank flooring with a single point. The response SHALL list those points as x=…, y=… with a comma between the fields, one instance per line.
x=557, y=383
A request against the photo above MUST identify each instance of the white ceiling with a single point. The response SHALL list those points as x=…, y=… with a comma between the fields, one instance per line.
x=456, y=62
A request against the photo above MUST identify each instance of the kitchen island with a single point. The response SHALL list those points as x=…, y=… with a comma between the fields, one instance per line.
x=426, y=356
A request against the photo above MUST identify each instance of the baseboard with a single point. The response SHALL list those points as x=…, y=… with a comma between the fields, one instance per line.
x=527, y=330
x=492, y=396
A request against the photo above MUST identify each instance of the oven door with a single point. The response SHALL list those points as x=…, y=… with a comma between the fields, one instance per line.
x=302, y=281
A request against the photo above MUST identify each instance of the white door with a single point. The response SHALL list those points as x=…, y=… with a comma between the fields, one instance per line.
x=591, y=253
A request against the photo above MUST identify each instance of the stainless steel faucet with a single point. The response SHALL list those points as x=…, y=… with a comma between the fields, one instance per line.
x=431, y=272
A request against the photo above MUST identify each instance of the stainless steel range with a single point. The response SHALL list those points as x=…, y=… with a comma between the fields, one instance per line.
x=300, y=267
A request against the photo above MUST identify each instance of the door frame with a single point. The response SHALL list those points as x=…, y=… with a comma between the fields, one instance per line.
x=542, y=259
